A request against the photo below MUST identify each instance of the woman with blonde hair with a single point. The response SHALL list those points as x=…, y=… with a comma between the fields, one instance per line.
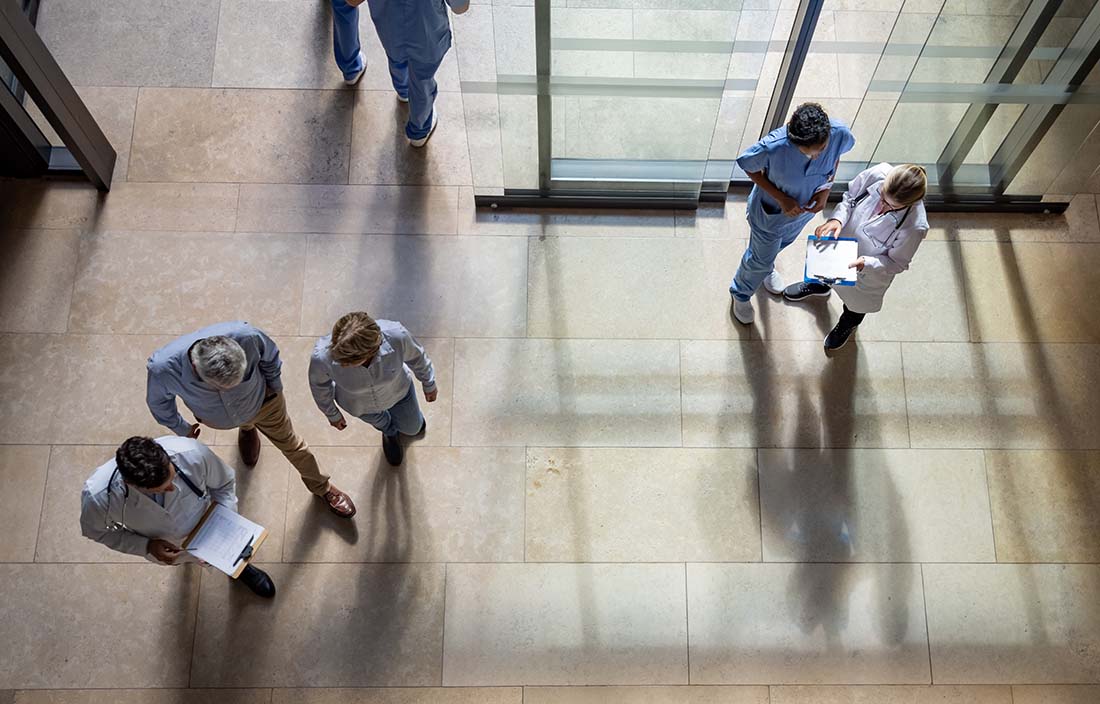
x=883, y=210
x=366, y=368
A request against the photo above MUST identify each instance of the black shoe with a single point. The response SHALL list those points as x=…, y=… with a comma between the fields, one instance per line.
x=801, y=290
x=838, y=337
x=391, y=448
x=257, y=580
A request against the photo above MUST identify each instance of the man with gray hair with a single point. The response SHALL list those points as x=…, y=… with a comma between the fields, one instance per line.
x=229, y=376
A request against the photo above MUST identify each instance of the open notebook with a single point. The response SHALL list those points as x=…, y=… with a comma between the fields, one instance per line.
x=827, y=260
x=225, y=540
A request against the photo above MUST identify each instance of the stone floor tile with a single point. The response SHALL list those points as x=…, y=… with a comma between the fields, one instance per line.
x=22, y=485
x=167, y=43
x=103, y=378
x=566, y=393
x=475, y=48
x=565, y=624
x=397, y=695
x=1045, y=505
x=146, y=613
x=807, y=624
x=199, y=207
x=1021, y=292
x=645, y=695
x=144, y=696
x=1055, y=694
x=380, y=152
x=312, y=425
x=254, y=136
x=435, y=286
x=716, y=220
x=1028, y=624
x=789, y=394
x=600, y=288
x=262, y=495
x=113, y=109
x=36, y=279
x=331, y=625
x=302, y=31
x=121, y=282
x=59, y=536
x=891, y=694
x=874, y=506
x=1008, y=396
x=934, y=283
x=1078, y=224
x=613, y=127
x=528, y=223
x=482, y=115
x=443, y=505
x=348, y=209
x=633, y=505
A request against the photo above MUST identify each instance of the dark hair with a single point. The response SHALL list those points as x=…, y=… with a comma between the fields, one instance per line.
x=809, y=125
x=142, y=462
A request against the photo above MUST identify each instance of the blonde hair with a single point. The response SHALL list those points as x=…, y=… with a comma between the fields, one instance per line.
x=355, y=338
x=906, y=184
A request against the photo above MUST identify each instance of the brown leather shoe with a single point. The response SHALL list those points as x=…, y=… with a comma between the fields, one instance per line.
x=248, y=442
x=339, y=502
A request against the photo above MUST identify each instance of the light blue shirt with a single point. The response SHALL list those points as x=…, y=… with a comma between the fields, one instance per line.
x=414, y=29
x=376, y=387
x=171, y=375
x=790, y=170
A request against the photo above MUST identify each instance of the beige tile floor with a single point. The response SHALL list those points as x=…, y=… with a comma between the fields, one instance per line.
x=623, y=496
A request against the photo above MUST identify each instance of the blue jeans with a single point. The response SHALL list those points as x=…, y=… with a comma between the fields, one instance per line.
x=404, y=417
x=415, y=80
x=345, y=38
x=769, y=234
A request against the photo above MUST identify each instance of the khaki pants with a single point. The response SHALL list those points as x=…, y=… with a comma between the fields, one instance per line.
x=274, y=423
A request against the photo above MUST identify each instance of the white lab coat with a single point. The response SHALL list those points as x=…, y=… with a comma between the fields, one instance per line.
x=886, y=248
x=125, y=519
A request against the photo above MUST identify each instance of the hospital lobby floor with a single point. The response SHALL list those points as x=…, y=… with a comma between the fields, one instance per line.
x=623, y=495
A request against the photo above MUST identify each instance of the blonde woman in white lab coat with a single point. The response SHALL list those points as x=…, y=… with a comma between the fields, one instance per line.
x=884, y=210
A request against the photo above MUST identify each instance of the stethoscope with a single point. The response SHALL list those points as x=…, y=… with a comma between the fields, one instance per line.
x=121, y=523
x=897, y=223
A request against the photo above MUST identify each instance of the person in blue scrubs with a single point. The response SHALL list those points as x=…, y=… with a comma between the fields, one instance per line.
x=416, y=35
x=792, y=169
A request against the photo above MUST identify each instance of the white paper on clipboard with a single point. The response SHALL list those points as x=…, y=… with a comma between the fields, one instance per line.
x=221, y=537
x=828, y=259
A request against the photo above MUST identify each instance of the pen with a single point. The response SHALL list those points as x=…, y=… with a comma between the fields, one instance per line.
x=246, y=552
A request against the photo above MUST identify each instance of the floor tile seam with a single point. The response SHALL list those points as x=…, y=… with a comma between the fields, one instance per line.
x=217, y=39
x=237, y=212
x=345, y=184
x=42, y=507
x=443, y=629
x=566, y=563
x=195, y=634
x=927, y=626
x=302, y=297
x=133, y=132
x=989, y=503
x=905, y=395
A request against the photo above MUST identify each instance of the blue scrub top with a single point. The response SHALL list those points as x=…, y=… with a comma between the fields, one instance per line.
x=413, y=29
x=789, y=169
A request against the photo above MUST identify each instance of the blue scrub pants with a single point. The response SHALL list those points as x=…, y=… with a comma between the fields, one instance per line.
x=412, y=79
x=415, y=80
x=769, y=234
x=404, y=417
x=345, y=38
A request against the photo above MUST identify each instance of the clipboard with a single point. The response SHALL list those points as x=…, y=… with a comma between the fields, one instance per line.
x=831, y=266
x=237, y=536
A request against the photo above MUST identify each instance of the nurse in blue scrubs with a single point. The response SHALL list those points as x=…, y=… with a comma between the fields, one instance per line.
x=792, y=169
x=416, y=35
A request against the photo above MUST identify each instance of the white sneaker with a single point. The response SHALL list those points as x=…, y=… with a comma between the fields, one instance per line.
x=743, y=311
x=774, y=283
x=424, y=140
x=400, y=99
x=354, y=80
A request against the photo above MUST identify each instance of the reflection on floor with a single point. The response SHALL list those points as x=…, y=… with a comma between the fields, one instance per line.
x=623, y=495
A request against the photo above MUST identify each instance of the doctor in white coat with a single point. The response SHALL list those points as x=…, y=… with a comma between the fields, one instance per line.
x=149, y=498
x=883, y=210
